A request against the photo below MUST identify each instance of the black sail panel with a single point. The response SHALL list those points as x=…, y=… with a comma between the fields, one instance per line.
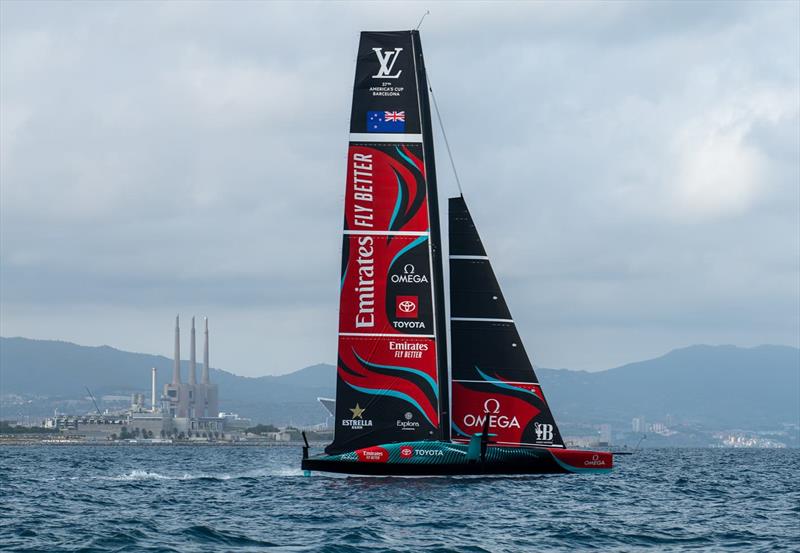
x=492, y=376
x=464, y=237
x=474, y=291
x=388, y=386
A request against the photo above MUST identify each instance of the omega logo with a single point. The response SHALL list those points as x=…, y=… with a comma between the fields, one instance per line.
x=409, y=276
x=491, y=411
x=491, y=401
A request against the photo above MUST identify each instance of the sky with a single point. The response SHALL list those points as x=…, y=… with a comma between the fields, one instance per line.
x=633, y=168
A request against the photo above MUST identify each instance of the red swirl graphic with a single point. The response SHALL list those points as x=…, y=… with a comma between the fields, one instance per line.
x=405, y=381
x=385, y=185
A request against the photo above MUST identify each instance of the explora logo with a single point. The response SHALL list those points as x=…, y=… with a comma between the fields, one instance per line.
x=408, y=424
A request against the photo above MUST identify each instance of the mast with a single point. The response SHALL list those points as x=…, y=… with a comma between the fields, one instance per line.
x=440, y=321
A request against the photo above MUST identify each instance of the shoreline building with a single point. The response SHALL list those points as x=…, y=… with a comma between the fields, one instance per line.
x=188, y=409
x=192, y=407
x=209, y=393
x=176, y=395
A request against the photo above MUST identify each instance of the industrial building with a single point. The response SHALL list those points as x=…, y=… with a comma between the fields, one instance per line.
x=192, y=406
x=183, y=410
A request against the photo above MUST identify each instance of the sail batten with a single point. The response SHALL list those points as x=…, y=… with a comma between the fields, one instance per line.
x=386, y=137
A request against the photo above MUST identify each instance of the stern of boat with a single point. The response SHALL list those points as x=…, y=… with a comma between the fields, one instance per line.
x=579, y=460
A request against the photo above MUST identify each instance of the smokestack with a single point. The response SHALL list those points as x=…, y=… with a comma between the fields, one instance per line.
x=176, y=369
x=205, y=357
x=193, y=362
x=153, y=389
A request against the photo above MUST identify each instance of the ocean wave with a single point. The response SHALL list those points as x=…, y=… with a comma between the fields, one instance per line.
x=207, y=534
x=137, y=474
x=143, y=474
x=242, y=500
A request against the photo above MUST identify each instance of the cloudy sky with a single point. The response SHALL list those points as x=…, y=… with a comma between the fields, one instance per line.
x=633, y=168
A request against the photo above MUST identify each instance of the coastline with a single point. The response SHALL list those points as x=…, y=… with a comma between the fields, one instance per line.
x=23, y=442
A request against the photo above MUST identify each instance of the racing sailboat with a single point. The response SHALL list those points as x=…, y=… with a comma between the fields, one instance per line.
x=401, y=408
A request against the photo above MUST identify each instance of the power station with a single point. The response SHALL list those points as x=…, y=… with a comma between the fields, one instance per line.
x=190, y=400
x=184, y=410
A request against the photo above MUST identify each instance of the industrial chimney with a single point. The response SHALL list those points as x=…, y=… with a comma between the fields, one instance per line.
x=153, y=390
x=193, y=362
x=204, y=378
x=176, y=369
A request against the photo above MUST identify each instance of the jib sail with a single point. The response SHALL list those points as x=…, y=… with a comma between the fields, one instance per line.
x=492, y=375
x=387, y=387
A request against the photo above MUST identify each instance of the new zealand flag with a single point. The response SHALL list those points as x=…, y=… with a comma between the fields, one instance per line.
x=386, y=121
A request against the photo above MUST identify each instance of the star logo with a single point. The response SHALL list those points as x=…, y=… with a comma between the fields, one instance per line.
x=357, y=411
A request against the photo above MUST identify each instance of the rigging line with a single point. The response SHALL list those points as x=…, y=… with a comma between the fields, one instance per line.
x=444, y=135
x=427, y=12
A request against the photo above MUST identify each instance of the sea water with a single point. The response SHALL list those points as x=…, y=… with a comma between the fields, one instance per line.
x=200, y=498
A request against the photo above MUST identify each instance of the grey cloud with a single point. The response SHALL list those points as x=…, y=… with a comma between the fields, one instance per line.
x=633, y=169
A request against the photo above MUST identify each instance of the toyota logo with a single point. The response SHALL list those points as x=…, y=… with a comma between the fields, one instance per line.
x=407, y=306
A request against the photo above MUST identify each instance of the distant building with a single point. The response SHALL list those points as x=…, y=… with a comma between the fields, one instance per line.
x=281, y=436
x=329, y=405
x=108, y=426
x=193, y=407
x=330, y=410
x=186, y=409
x=234, y=422
x=190, y=399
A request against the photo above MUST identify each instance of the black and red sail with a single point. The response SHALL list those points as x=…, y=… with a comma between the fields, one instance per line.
x=390, y=338
x=492, y=376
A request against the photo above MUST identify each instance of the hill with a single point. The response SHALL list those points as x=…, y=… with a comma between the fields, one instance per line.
x=60, y=371
x=716, y=386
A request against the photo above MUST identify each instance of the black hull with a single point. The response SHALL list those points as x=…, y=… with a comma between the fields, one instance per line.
x=449, y=469
x=437, y=458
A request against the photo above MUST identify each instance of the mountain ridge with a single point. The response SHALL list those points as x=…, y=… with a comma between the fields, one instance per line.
x=723, y=385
